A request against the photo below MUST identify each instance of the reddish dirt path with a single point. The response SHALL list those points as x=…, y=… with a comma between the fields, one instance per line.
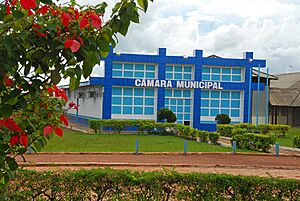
x=240, y=164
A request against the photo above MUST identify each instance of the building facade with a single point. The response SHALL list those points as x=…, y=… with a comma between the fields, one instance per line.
x=195, y=88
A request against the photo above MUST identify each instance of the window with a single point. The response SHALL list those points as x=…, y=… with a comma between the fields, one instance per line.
x=92, y=94
x=80, y=94
x=179, y=72
x=222, y=74
x=220, y=102
x=134, y=70
x=133, y=101
x=283, y=112
x=179, y=101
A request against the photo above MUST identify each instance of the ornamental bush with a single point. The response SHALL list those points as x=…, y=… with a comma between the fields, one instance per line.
x=296, y=141
x=203, y=136
x=257, y=142
x=223, y=119
x=213, y=137
x=265, y=128
x=109, y=184
x=40, y=43
x=165, y=114
x=225, y=130
x=280, y=129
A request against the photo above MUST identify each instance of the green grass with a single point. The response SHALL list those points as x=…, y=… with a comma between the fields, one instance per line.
x=287, y=141
x=73, y=141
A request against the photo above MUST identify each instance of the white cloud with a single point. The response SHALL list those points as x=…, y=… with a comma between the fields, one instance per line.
x=269, y=28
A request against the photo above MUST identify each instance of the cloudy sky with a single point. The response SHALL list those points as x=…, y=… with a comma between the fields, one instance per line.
x=269, y=28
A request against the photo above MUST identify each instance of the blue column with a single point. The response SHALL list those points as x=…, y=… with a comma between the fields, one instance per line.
x=267, y=98
x=107, y=94
x=248, y=90
x=258, y=96
x=197, y=92
x=161, y=76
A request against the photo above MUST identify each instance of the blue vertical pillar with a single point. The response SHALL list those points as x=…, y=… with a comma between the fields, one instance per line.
x=107, y=95
x=267, y=98
x=248, y=87
x=161, y=76
x=197, y=92
x=258, y=96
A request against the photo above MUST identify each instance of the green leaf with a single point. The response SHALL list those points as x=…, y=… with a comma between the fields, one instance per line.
x=70, y=72
x=37, y=147
x=55, y=76
x=13, y=100
x=49, y=2
x=143, y=4
x=27, y=69
x=125, y=22
x=12, y=164
x=72, y=84
x=17, y=14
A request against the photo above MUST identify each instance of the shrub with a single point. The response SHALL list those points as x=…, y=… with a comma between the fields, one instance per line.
x=296, y=141
x=249, y=127
x=280, y=129
x=194, y=133
x=164, y=114
x=257, y=142
x=213, y=137
x=225, y=130
x=223, y=119
x=239, y=131
x=145, y=126
x=108, y=184
x=94, y=124
x=265, y=128
x=203, y=136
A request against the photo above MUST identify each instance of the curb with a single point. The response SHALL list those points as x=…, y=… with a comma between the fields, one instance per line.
x=78, y=164
x=162, y=153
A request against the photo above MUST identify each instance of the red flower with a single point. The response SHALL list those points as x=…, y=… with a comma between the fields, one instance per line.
x=23, y=140
x=83, y=22
x=76, y=107
x=80, y=39
x=50, y=90
x=64, y=119
x=14, y=2
x=74, y=45
x=43, y=10
x=96, y=21
x=72, y=104
x=11, y=125
x=47, y=130
x=8, y=11
x=59, y=132
x=28, y=4
x=14, y=140
x=65, y=19
x=30, y=12
x=7, y=81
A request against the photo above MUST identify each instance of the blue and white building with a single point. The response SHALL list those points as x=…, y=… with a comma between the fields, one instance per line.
x=195, y=88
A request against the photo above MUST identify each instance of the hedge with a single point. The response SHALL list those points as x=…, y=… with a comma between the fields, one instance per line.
x=257, y=142
x=108, y=184
x=296, y=141
x=225, y=130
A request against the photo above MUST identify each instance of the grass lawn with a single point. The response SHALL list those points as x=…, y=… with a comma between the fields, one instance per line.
x=73, y=141
x=287, y=141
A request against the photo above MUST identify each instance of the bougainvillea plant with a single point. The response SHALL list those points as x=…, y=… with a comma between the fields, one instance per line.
x=42, y=41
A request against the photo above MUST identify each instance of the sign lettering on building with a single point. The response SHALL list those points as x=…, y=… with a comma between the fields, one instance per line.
x=179, y=84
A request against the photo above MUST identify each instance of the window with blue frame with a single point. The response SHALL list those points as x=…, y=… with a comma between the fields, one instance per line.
x=180, y=102
x=179, y=72
x=133, y=101
x=134, y=70
x=222, y=74
x=221, y=102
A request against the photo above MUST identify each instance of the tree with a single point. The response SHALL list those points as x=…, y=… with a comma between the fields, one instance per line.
x=41, y=42
x=223, y=119
x=164, y=114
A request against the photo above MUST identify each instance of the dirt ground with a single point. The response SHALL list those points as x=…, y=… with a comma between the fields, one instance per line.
x=240, y=164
